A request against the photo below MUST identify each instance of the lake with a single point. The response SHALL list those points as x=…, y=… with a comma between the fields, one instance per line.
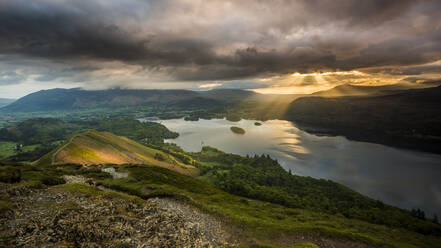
x=408, y=179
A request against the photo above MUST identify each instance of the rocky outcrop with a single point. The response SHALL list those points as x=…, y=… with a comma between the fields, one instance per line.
x=48, y=218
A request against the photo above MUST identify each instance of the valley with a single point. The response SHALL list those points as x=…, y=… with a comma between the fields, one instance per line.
x=277, y=204
x=271, y=187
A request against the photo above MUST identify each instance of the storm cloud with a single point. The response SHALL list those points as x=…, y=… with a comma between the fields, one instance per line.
x=181, y=41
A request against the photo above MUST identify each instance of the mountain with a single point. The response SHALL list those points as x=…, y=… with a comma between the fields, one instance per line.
x=409, y=119
x=6, y=101
x=68, y=99
x=65, y=99
x=229, y=95
x=93, y=147
x=357, y=90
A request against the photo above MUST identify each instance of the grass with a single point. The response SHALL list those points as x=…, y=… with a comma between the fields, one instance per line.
x=303, y=245
x=7, y=149
x=93, y=147
x=266, y=223
x=78, y=188
x=257, y=223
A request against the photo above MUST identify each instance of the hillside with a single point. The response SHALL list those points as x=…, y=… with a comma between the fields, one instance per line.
x=74, y=99
x=40, y=135
x=187, y=211
x=357, y=90
x=93, y=147
x=6, y=101
x=409, y=119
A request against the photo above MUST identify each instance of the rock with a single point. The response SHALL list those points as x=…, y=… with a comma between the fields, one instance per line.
x=45, y=219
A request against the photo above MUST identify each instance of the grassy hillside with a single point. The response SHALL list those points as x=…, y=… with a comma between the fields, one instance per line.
x=262, y=178
x=93, y=147
x=255, y=223
x=40, y=135
x=411, y=119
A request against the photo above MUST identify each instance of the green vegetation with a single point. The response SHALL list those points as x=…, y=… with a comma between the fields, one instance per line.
x=9, y=174
x=257, y=124
x=151, y=132
x=262, y=178
x=7, y=149
x=41, y=135
x=266, y=204
x=237, y=130
x=257, y=223
x=93, y=147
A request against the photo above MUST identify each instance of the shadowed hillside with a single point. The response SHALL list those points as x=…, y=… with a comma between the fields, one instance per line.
x=411, y=119
x=358, y=90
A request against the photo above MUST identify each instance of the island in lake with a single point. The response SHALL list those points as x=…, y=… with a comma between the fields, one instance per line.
x=237, y=130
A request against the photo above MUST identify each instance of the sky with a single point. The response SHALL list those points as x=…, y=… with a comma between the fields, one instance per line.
x=273, y=46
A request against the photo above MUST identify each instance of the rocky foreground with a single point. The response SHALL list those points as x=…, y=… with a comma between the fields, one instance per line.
x=56, y=218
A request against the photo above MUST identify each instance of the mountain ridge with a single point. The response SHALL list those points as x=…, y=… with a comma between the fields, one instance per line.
x=76, y=98
x=361, y=90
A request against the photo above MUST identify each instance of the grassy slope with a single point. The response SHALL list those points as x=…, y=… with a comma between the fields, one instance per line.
x=261, y=222
x=255, y=222
x=93, y=147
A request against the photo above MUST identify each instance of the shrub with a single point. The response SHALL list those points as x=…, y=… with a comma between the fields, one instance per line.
x=10, y=175
x=50, y=181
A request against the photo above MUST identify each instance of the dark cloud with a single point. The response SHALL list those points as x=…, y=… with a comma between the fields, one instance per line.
x=75, y=74
x=409, y=70
x=221, y=40
x=9, y=78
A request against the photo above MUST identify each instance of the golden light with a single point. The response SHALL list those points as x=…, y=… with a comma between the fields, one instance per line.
x=327, y=73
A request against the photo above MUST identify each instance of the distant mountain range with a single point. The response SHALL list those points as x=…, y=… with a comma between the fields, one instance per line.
x=6, y=101
x=68, y=99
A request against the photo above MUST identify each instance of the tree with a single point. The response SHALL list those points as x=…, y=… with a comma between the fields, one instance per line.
x=435, y=219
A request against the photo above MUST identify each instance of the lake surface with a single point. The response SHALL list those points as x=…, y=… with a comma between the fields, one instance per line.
x=408, y=179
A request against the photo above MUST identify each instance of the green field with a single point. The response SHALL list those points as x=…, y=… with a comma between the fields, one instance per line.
x=7, y=149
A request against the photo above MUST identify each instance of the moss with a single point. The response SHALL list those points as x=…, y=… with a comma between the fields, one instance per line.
x=50, y=181
x=78, y=188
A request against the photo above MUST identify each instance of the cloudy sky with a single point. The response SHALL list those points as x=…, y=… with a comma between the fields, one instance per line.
x=270, y=46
